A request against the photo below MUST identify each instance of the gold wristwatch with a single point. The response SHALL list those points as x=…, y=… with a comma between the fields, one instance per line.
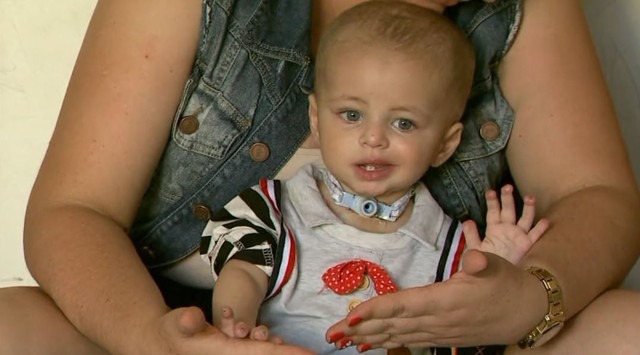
x=554, y=319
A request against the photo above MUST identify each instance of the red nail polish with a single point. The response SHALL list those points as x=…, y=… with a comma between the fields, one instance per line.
x=335, y=337
x=355, y=321
x=364, y=347
x=344, y=342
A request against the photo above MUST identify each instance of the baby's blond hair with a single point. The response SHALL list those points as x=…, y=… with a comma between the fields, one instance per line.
x=406, y=28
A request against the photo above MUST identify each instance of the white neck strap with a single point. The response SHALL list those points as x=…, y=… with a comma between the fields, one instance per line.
x=364, y=206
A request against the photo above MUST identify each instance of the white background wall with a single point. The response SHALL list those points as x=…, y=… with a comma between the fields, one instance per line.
x=38, y=45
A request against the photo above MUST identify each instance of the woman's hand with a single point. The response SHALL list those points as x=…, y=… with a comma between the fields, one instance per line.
x=490, y=301
x=185, y=331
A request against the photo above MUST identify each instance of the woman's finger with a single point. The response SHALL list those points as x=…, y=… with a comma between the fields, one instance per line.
x=188, y=321
x=374, y=315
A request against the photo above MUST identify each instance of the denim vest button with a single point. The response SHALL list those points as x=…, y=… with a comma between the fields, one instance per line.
x=202, y=212
x=189, y=124
x=490, y=131
x=259, y=152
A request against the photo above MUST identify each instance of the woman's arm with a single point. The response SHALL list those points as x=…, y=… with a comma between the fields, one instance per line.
x=566, y=149
x=111, y=131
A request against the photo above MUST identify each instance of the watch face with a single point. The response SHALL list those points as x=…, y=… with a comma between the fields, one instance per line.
x=548, y=334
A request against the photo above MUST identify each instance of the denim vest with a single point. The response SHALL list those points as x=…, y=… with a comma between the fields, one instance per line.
x=243, y=114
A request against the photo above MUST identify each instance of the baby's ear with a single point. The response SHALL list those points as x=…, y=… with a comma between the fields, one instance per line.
x=313, y=116
x=450, y=142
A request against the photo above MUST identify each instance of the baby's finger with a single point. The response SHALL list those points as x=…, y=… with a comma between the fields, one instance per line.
x=227, y=323
x=276, y=340
x=538, y=230
x=493, y=207
x=528, y=213
x=260, y=332
x=240, y=330
x=471, y=234
x=508, y=213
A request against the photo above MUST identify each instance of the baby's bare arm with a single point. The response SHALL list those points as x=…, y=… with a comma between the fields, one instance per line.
x=238, y=293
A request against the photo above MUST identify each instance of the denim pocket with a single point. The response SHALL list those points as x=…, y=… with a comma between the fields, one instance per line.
x=209, y=123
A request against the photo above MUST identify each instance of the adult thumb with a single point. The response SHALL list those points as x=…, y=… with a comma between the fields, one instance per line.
x=474, y=261
x=189, y=321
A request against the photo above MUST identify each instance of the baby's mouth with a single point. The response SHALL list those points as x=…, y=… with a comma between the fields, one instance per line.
x=370, y=167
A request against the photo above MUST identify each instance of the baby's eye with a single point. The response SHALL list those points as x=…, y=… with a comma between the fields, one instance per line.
x=403, y=124
x=350, y=115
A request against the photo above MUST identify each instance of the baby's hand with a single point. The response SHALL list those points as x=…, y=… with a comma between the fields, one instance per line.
x=239, y=329
x=505, y=236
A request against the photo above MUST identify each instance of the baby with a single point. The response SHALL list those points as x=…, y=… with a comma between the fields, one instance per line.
x=392, y=80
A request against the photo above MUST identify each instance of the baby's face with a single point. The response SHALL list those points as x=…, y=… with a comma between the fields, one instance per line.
x=380, y=119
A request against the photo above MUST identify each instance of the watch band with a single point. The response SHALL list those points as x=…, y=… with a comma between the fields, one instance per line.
x=554, y=319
